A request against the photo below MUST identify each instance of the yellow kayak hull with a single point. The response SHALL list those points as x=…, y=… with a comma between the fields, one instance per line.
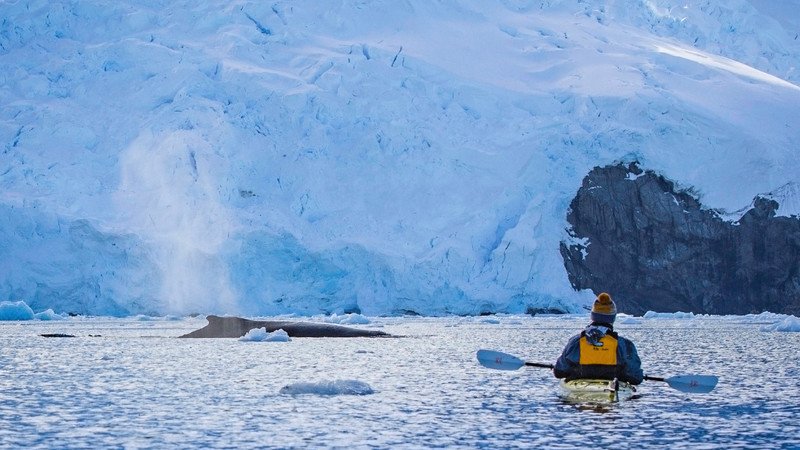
x=590, y=390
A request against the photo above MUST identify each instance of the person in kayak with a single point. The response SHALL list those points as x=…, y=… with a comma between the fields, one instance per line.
x=598, y=352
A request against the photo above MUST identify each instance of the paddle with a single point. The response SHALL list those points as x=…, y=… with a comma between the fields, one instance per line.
x=696, y=384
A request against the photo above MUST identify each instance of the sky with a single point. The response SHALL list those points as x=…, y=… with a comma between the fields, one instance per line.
x=369, y=156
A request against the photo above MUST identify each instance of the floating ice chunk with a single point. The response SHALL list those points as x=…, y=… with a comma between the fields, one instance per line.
x=337, y=387
x=261, y=335
x=628, y=320
x=48, y=314
x=764, y=317
x=16, y=311
x=348, y=319
x=675, y=315
x=21, y=311
x=789, y=324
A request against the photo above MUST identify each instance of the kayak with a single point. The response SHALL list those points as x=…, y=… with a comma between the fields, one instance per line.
x=589, y=390
x=597, y=390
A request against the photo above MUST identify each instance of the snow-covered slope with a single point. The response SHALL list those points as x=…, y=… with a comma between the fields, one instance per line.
x=381, y=156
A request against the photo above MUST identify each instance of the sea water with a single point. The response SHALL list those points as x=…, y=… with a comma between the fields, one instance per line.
x=130, y=383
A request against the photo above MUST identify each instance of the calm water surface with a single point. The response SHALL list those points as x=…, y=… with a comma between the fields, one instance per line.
x=137, y=386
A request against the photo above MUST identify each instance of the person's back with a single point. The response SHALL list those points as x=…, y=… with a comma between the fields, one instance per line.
x=598, y=352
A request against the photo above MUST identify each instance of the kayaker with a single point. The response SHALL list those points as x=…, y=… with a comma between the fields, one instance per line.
x=598, y=352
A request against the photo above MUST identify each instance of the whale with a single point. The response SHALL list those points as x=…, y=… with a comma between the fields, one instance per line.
x=236, y=327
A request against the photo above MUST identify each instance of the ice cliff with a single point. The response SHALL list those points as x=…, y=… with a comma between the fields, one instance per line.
x=380, y=157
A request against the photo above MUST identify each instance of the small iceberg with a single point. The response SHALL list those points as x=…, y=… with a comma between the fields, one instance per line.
x=261, y=335
x=348, y=319
x=675, y=315
x=153, y=318
x=48, y=314
x=337, y=387
x=628, y=320
x=20, y=310
x=790, y=324
x=16, y=311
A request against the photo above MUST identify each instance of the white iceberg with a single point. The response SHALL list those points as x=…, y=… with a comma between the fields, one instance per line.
x=675, y=315
x=337, y=387
x=261, y=335
x=348, y=319
x=789, y=324
x=48, y=314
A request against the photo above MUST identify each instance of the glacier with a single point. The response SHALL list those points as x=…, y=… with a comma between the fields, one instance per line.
x=364, y=157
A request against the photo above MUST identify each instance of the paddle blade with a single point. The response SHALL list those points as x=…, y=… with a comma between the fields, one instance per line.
x=697, y=384
x=499, y=360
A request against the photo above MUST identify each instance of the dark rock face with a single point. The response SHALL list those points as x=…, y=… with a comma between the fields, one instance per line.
x=654, y=248
x=236, y=327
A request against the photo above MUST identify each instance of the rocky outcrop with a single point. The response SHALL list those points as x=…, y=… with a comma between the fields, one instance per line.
x=235, y=327
x=654, y=247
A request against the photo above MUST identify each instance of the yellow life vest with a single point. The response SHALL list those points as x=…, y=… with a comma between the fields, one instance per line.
x=605, y=355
